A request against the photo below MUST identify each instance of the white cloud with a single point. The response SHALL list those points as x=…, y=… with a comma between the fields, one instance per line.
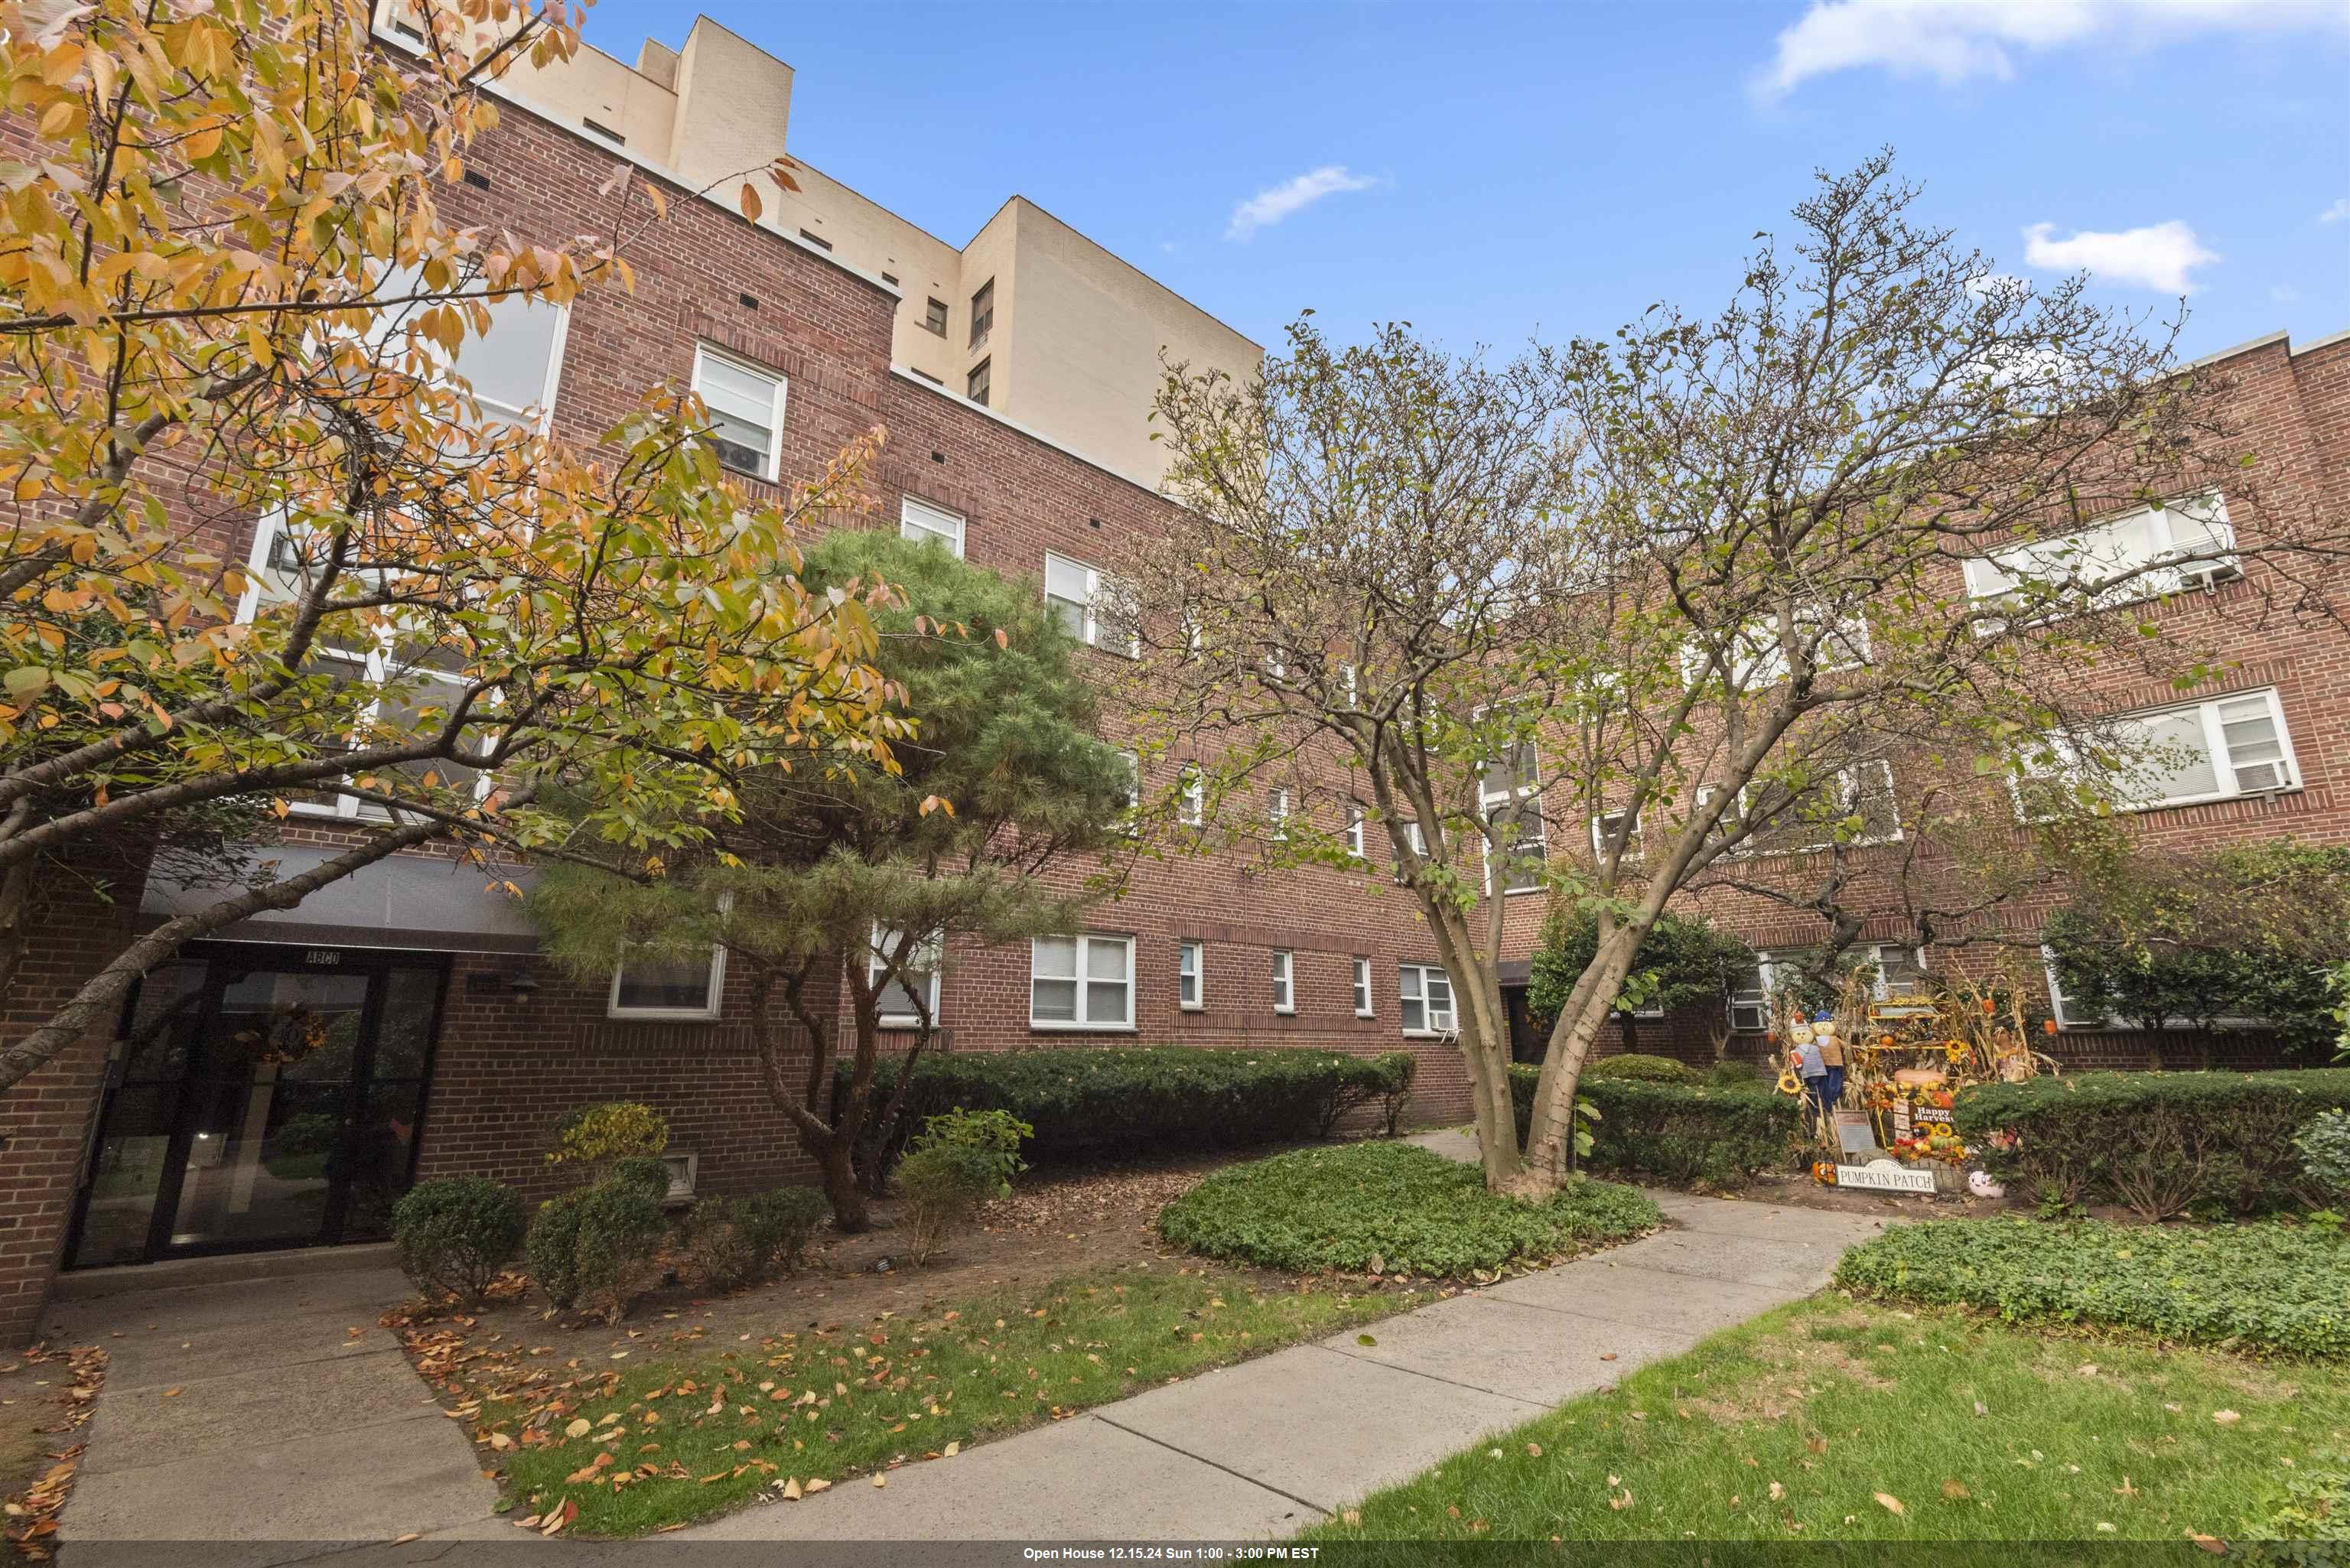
x=2336, y=212
x=2159, y=257
x=1275, y=202
x=1953, y=40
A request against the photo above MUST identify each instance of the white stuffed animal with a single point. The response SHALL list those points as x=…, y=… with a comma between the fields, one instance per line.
x=1980, y=1184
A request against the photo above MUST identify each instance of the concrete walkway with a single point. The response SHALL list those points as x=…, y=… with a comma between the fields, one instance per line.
x=1272, y=1446
x=279, y=1411
x=269, y=1410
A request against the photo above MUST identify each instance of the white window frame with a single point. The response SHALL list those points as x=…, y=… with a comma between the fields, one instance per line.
x=1191, y=968
x=2165, y=531
x=1284, y=980
x=1412, y=986
x=613, y=1008
x=1192, y=808
x=1757, y=664
x=1515, y=796
x=1846, y=781
x=1880, y=987
x=880, y=940
x=1602, y=825
x=1084, y=942
x=1133, y=824
x=1090, y=631
x=1417, y=836
x=926, y=521
x=377, y=671
x=2061, y=1007
x=1366, y=1006
x=704, y=354
x=1355, y=817
x=1276, y=812
x=2061, y=751
x=1768, y=962
x=1347, y=684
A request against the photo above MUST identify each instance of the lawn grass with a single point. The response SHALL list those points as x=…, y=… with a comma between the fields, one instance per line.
x=1980, y=1433
x=1392, y=1209
x=2267, y=1288
x=668, y=1442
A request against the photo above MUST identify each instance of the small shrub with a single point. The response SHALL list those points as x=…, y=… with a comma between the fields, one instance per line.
x=1734, y=1076
x=2262, y=1287
x=2163, y=1143
x=645, y=1172
x=455, y=1232
x=1390, y=1208
x=941, y=1186
x=1681, y=1134
x=996, y=1135
x=596, y=1248
x=595, y=1135
x=1396, y=1072
x=2325, y=1145
x=738, y=1241
x=1633, y=1064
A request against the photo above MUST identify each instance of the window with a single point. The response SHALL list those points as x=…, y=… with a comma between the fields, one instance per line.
x=1133, y=761
x=1276, y=812
x=2069, y=1013
x=1285, y=981
x=1414, y=837
x=1191, y=976
x=2134, y=548
x=1081, y=983
x=1355, y=832
x=404, y=684
x=934, y=315
x=1749, y=1000
x=1363, y=988
x=1276, y=664
x=1608, y=824
x=896, y=1000
x=1080, y=599
x=1347, y=684
x=1510, y=794
x=2214, y=750
x=1194, y=806
x=1861, y=792
x=513, y=367
x=1425, y=993
x=646, y=986
x=925, y=524
x=982, y=315
x=1757, y=661
x=746, y=411
x=975, y=384
x=1900, y=971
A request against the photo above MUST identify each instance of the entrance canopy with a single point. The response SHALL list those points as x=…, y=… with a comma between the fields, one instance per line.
x=415, y=901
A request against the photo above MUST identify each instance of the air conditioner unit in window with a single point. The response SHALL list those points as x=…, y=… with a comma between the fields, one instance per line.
x=2209, y=573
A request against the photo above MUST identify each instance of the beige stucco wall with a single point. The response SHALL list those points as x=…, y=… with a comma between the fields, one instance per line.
x=1075, y=353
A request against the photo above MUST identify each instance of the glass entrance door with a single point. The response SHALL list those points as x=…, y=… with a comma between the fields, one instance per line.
x=267, y=1097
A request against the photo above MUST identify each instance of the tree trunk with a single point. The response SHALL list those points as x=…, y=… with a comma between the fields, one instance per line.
x=1484, y=1028
x=851, y=1213
x=1550, y=1139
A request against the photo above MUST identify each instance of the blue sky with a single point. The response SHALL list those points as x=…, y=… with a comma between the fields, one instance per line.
x=1492, y=172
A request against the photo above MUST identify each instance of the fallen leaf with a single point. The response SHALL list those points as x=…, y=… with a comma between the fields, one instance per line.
x=1620, y=1504
x=2211, y=1543
x=952, y=1449
x=1359, y=1339
x=1954, y=1490
x=880, y=1480
x=792, y=1490
x=816, y=1484
x=2088, y=1369
x=2226, y=1417
x=1889, y=1503
x=1777, y=1491
x=1533, y=1451
x=171, y=1392
x=1352, y=1516
x=578, y=1428
x=1609, y=1356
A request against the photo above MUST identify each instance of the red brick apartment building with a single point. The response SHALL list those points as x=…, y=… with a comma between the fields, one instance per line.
x=154, y=1140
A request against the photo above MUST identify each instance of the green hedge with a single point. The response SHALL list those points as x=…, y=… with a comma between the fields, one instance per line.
x=1637, y=1064
x=2281, y=1289
x=2214, y=1144
x=1392, y=1209
x=1165, y=1099
x=1681, y=1134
